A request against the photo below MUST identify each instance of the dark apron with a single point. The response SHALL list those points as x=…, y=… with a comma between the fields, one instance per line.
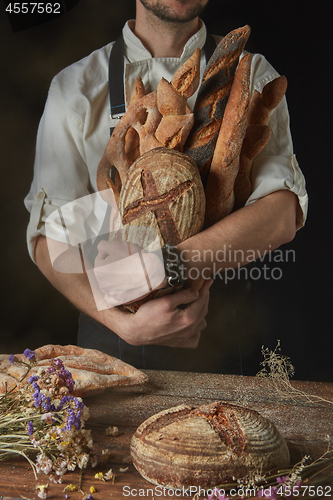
x=222, y=347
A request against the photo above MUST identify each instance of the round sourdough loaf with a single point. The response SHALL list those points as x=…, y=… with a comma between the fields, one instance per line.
x=206, y=446
x=163, y=190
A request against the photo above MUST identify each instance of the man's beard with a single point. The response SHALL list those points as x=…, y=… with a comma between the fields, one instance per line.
x=163, y=12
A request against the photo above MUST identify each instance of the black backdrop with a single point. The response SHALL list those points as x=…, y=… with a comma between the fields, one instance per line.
x=296, y=40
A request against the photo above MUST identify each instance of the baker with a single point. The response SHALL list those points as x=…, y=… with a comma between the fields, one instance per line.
x=72, y=136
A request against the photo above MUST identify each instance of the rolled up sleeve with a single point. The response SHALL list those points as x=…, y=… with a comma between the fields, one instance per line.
x=276, y=166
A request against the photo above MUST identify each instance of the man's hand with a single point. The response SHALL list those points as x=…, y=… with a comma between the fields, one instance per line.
x=159, y=322
x=162, y=322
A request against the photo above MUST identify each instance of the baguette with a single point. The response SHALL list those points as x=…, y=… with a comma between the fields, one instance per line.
x=257, y=134
x=132, y=139
x=225, y=162
x=187, y=78
x=212, y=99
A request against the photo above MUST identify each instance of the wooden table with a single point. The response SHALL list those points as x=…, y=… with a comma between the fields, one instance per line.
x=304, y=425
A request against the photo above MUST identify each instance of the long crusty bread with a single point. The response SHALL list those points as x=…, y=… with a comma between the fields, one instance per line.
x=132, y=139
x=187, y=78
x=225, y=162
x=212, y=98
x=257, y=134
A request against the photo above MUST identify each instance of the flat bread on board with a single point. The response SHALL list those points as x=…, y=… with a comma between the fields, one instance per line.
x=92, y=370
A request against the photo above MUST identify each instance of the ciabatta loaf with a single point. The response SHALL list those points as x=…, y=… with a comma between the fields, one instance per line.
x=92, y=370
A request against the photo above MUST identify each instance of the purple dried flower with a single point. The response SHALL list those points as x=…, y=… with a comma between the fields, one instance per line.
x=12, y=359
x=70, y=419
x=79, y=404
x=35, y=386
x=30, y=428
x=38, y=397
x=268, y=493
x=29, y=354
x=58, y=363
x=282, y=480
x=78, y=420
x=215, y=492
x=32, y=379
x=47, y=404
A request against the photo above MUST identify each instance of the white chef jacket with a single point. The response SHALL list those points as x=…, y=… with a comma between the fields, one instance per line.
x=74, y=129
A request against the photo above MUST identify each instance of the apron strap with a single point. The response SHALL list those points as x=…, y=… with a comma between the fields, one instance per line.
x=116, y=85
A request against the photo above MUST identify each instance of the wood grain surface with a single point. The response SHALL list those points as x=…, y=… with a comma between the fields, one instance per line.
x=304, y=425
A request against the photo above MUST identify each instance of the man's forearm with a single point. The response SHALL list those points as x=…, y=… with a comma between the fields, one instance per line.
x=251, y=231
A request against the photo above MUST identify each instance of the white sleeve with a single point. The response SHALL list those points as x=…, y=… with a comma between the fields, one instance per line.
x=276, y=167
x=60, y=170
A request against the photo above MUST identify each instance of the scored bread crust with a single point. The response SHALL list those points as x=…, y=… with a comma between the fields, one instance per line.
x=257, y=134
x=93, y=371
x=225, y=162
x=211, y=444
x=212, y=98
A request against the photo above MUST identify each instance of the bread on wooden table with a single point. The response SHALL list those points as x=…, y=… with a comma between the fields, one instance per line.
x=205, y=446
x=92, y=370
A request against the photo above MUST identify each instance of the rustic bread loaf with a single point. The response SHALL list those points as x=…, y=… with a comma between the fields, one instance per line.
x=163, y=190
x=257, y=134
x=206, y=446
x=212, y=98
x=225, y=162
x=92, y=370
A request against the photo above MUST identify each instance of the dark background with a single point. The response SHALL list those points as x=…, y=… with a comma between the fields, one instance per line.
x=295, y=309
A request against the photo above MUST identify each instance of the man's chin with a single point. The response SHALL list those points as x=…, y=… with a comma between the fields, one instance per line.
x=181, y=12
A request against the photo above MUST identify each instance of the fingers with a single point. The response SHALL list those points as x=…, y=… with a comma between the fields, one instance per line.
x=161, y=322
x=199, y=307
x=183, y=297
